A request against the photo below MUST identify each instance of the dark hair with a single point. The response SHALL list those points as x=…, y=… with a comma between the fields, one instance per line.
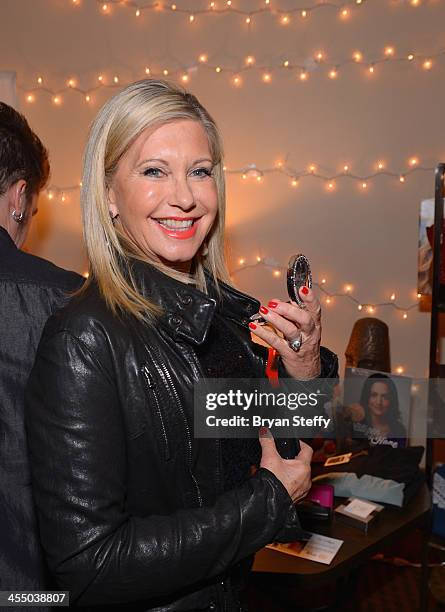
x=22, y=155
x=394, y=419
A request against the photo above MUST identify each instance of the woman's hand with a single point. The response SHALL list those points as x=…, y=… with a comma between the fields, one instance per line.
x=294, y=474
x=291, y=321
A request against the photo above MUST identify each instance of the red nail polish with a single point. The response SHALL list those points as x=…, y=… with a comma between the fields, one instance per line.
x=263, y=431
x=304, y=290
x=252, y=325
x=272, y=304
x=264, y=310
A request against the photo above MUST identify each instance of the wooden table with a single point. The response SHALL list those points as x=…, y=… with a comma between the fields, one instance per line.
x=357, y=548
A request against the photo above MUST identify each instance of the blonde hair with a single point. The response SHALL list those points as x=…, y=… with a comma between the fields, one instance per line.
x=120, y=121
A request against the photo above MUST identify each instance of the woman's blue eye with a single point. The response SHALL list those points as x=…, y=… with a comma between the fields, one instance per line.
x=202, y=172
x=156, y=172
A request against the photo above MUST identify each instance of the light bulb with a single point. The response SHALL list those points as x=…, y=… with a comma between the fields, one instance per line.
x=400, y=370
x=203, y=58
x=303, y=76
x=333, y=74
x=104, y=8
x=116, y=79
x=364, y=185
x=304, y=14
x=312, y=168
x=63, y=198
x=50, y=195
x=39, y=80
x=250, y=60
x=419, y=295
x=244, y=176
x=267, y=77
x=413, y=161
x=57, y=100
x=344, y=13
x=86, y=274
x=185, y=78
x=71, y=83
x=389, y=51
x=147, y=70
x=402, y=178
x=286, y=63
x=285, y=19
x=212, y=5
x=427, y=64
x=87, y=98
x=371, y=309
x=276, y=273
x=410, y=57
x=405, y=316
x=138, y=13
x=242, y=262
x=229, y=2
x=345, y=168
x=323, y=281
x=258, y=259
x=259, y=179
x=173, y=7
x=331, y=185
x=357, y=56
x=294, y=183
x=360, y=307
x=248, y=20
x=328, y=300
x=191, y=18
x=371, y=69
x=348, y=288
x=30, y=98
x=380, y=165
x=237, y=81
x=100, y=78
x=218, y=69
x=165, y=72
x=393, y=296
x=319, y=56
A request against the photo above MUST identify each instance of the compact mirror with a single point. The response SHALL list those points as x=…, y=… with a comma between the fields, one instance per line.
x=298, y=275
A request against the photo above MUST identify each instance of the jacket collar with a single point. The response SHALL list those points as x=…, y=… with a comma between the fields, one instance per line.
x=188, y=313
x=6, y=242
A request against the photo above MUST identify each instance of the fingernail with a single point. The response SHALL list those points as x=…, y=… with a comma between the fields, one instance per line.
x=263, y=432
x=304, y=290
x=252, y=325
x=264, y=310
x=272, y=304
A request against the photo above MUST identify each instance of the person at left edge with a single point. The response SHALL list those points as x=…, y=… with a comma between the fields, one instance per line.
x=31, y=289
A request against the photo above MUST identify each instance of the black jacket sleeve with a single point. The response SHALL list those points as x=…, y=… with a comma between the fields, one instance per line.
x=94, y=548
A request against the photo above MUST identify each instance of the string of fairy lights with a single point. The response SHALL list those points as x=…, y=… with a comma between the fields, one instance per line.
x=284, y=16
x=253, y=173
x=303, y=70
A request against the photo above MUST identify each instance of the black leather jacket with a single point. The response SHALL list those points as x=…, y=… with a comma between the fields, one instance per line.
x=110, y=405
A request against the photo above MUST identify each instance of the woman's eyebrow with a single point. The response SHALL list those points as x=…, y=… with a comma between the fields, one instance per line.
x=154, y=159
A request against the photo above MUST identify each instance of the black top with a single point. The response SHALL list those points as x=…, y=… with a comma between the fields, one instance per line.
x=31, y=289
x=224, y=355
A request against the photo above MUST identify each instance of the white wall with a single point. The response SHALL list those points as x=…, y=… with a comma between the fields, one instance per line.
x=368, y=239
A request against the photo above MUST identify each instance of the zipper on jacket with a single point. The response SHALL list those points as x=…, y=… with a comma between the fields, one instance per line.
x=189, y=437
x=166, y=377
x=150, y=385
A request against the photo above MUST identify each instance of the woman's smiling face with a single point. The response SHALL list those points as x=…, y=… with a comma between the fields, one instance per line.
x=164, y=192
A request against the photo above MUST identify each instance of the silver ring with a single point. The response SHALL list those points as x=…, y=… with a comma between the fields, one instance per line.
x=296, y=343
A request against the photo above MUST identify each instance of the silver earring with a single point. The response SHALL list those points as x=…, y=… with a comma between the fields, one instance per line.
x=113, y=219
x=17, y=218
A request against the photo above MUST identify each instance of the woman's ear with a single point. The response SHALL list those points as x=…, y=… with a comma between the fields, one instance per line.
x=112, y=206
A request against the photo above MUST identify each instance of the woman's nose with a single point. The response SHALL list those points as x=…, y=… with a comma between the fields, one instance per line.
x=182, y=195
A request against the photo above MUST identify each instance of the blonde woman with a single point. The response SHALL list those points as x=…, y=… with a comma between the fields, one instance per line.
x=133, y=510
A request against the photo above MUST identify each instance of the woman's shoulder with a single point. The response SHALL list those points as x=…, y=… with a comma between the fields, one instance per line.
x=87, y=318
